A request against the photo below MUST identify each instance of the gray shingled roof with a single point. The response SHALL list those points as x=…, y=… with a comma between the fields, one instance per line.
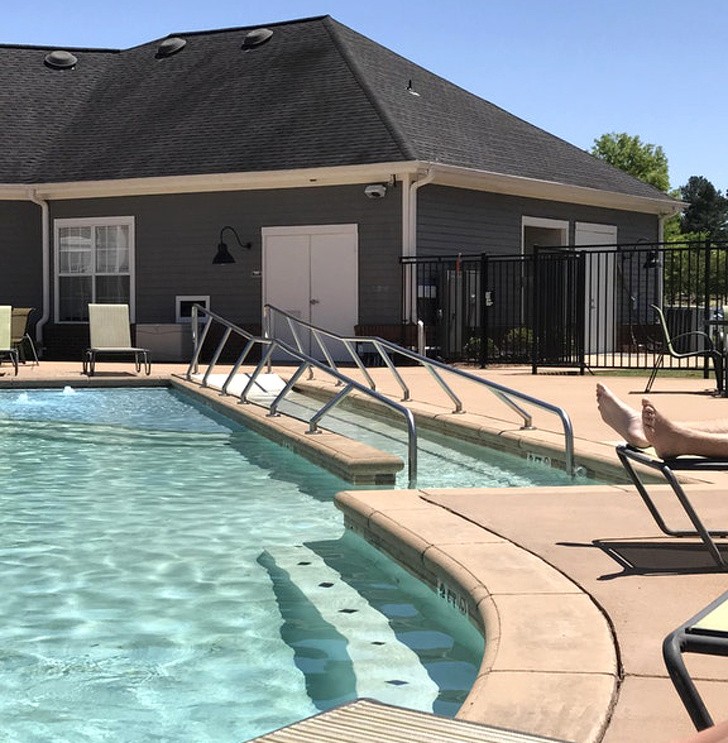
x=316, y=94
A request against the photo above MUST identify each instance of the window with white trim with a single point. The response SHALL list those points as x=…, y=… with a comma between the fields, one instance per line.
x=94, y=264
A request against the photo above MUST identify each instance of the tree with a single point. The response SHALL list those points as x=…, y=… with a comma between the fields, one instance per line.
x=647, y=162
x=707, y=210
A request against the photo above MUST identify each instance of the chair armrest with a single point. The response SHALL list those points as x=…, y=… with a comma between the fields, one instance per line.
x=692, y=333
x=677, y=464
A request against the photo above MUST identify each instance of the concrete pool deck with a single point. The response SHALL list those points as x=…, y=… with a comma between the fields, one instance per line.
x=576, y=586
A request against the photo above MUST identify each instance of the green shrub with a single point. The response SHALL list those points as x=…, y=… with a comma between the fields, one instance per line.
x=471, y=349
x=517, y=342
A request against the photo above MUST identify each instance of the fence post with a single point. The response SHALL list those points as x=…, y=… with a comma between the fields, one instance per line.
x=706, y=298
x=535, y=312
x=484, y=283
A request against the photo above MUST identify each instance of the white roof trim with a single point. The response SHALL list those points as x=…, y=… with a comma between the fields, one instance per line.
x=445, y=175
x=272, y=179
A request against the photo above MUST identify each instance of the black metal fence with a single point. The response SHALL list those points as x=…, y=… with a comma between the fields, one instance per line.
x=569, y=306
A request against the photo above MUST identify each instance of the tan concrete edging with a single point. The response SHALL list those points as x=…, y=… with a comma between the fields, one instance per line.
x=550, y=664
x=351, y=460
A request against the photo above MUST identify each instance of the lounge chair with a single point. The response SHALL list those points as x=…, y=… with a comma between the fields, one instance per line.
x=110, y=333
x=629, y=456
x=667, y=347
x=20, y=336
x=6, y=345
x=705, y=633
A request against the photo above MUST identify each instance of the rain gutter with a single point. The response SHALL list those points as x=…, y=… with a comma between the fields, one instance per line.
x=46, y=247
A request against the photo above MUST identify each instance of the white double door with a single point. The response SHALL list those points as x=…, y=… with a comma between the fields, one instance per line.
x=311, y=272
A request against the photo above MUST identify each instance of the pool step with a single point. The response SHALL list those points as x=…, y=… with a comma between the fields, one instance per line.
x=265, y=389
x=384, y=668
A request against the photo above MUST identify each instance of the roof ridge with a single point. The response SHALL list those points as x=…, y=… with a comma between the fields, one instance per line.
x=398, y=136
x=233, y=29
x=51, y=47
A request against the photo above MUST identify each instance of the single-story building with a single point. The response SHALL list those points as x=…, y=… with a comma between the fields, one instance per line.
x=330, y=156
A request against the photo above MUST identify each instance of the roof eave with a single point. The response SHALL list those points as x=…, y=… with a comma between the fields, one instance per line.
x=244, y=181
x=510, y=185
x=444, y=175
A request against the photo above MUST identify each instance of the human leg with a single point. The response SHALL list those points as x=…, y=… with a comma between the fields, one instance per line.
x=625, y=420
x=671, y=438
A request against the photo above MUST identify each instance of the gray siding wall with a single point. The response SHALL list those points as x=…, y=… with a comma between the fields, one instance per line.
x=21, y=276
x=452, y=220
x=177, y=236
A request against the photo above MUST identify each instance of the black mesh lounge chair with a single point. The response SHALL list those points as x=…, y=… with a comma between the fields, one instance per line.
x=629, y=456
x=110, y=333
x=667, y=347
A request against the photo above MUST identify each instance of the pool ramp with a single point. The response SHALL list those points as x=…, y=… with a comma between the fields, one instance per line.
x=372, y=646
x=265, y=390
x=367, y=721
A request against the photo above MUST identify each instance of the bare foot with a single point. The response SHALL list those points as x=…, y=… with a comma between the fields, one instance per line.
x=668, y=438
x=626, y=421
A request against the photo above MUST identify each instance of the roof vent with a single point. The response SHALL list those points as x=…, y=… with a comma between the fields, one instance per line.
x=256, y=38
x=170, y=46
x=60, y=60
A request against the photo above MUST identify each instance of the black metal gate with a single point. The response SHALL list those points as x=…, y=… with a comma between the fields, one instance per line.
x=570, y=306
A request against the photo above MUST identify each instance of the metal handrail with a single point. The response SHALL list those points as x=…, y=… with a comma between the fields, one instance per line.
x=506, y=395
x=307, y=363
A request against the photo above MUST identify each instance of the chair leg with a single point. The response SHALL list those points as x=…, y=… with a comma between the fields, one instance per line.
x=718, y=365
x=657, y=365
x=32, y=348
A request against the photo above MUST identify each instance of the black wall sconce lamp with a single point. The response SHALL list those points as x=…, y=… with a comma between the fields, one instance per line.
x=223, y=254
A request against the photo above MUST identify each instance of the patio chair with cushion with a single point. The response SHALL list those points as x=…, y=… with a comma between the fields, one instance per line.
x=20, y=335
x=7, y=349
x=668, y=348
x=110, y=333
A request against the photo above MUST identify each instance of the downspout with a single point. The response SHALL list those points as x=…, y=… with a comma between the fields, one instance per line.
x=46, y=246
x=410, y=240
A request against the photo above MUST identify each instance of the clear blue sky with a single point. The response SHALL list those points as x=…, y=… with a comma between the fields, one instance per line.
x=577, y=68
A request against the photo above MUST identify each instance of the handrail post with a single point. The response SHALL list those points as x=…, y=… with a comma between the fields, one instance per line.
x=484, y=312
x=216, y=355
x=421, y=338
x=264, y=359
x=273, y=409
x=194, y=328
x=194, y=363
x=330, y=405
x=267, y=327
x=355, y=358
x=237, y=365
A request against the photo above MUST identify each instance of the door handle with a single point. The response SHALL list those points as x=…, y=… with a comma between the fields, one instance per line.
x=314, y=301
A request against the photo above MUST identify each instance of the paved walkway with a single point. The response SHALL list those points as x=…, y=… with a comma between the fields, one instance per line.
x=578, y=532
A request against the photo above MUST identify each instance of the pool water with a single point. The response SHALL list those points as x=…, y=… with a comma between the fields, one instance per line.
x=169, y=575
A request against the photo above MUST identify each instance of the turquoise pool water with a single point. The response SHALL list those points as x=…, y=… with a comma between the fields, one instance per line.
x=171, y=576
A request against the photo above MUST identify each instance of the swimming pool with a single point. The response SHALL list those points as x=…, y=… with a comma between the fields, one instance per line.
x=170, y=575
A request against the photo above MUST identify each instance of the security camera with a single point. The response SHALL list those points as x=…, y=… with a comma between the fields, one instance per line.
x=375, y=191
